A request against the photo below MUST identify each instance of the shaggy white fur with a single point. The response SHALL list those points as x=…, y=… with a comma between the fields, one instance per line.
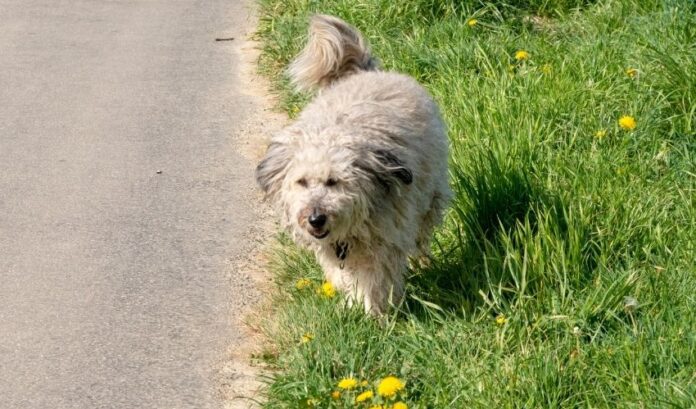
x=361, y=176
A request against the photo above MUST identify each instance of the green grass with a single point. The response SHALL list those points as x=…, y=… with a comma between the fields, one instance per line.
x=556, y=230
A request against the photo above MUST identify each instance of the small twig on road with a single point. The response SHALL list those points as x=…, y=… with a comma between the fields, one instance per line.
x=225, y=39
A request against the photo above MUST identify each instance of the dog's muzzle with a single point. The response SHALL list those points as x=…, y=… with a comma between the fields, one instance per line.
x=318, y=222
x=319, y=234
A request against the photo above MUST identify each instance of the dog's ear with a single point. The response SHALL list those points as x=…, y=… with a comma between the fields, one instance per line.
x=272, y=169
x=383, y=167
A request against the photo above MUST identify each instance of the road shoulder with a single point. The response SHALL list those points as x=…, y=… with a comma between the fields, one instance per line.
x=239, y=381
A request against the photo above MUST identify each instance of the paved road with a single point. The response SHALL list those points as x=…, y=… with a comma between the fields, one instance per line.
x=116, y=289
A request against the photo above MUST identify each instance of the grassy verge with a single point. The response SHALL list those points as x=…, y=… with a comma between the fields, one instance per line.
x=564, y=275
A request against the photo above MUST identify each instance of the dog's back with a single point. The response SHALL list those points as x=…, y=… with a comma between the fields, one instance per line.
x=334, y=50
x=355, y=93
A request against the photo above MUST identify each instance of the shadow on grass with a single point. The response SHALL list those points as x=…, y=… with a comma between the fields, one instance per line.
x=498, y=217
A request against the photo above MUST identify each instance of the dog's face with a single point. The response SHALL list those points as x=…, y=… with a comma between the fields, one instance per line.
x=320, y=193
x=326, y=191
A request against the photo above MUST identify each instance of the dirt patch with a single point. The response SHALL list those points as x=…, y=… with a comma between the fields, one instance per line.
x=239, y=378
x=239, y=382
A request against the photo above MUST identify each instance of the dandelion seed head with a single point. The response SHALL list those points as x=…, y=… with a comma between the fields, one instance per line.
x=630, y=303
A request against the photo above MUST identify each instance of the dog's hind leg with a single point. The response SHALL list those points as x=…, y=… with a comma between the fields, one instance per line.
x=429, y=220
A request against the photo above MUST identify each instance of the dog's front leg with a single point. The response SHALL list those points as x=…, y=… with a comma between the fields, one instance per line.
x=375, y=279
x=379, y=282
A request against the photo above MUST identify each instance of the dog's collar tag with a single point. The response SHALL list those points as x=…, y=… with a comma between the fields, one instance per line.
x=341, y=252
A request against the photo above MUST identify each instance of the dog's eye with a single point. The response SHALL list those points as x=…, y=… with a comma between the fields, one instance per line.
x=331, y=182
x=302, y=182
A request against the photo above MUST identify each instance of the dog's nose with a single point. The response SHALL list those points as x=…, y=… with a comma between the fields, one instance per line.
x=317, y=220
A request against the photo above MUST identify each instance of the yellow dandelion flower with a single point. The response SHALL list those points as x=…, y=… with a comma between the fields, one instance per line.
x=500, y=319
x=546, y=69
x=600, y=134
x=631, y=72
x=327, y=290
x=400, y=405
x=627, y=123
x=389, y=386
x=302, y=283
x=521, y=55
x=347, y=383
x=363, y=383
x=472, y=22
x=307, y=337
x=377, y=407
x=364, y=396
x=335, y=395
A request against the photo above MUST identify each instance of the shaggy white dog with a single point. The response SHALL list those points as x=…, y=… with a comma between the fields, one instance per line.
x=361, y=175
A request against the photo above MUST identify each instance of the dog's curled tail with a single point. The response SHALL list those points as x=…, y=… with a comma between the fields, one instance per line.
x=335, y=49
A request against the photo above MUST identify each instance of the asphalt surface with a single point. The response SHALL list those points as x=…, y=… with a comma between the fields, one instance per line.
x=123, y=200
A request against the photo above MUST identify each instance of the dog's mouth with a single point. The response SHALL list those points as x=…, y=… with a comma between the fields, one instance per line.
x=319, y=234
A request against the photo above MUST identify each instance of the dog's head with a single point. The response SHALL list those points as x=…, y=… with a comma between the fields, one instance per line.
x=330, y=191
